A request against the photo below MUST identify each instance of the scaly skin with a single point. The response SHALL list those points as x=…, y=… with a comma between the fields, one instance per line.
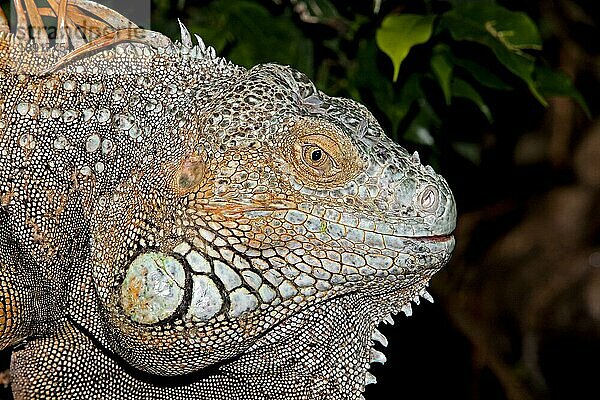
x=175, y=226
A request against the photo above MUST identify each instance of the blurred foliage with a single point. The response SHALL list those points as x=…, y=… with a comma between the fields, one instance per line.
x=441, y=53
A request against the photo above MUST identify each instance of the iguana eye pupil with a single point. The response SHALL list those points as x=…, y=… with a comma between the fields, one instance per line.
x=316, y=155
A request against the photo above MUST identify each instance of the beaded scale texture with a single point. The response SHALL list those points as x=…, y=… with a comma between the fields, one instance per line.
x=173, y=226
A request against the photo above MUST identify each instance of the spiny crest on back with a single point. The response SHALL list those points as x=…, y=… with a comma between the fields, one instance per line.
x=85, y=28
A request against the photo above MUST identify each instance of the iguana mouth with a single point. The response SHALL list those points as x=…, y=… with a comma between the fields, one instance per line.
x=435, y=238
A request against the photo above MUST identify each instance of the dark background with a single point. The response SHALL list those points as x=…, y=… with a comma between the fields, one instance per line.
x=517, y=311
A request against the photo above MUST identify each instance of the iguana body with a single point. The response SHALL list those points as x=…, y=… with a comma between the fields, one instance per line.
x=175, y=226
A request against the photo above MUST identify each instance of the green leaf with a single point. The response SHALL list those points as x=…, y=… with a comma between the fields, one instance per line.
x=250, y=33
x=317, y=11
x=419, y=131
x=442, y=67
x=506, y=33
x=394, y=102
x=482, y=74
x=399, y=33
x=470, y=151
x=420, y=128
x=557, y=83
x=463, y=89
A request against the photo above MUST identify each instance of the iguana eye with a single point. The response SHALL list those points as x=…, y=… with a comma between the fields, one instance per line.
x=321, y=155
x=317, y=158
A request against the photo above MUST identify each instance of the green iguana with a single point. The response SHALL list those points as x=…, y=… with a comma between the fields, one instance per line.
x=173, y=226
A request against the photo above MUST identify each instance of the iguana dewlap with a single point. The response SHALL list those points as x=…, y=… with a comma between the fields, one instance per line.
x=173, y=226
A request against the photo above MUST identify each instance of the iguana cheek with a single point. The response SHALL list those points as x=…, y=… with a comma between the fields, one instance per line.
x=217, y=288
x=153, y=288
x=207, y=300
x=156, y=288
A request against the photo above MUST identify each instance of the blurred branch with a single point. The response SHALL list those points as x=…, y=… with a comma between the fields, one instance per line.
x=5, y=378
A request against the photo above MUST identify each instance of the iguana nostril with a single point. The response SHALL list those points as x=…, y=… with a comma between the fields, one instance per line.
x=428, y=199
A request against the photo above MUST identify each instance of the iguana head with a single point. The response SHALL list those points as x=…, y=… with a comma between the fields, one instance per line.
x=283, y=199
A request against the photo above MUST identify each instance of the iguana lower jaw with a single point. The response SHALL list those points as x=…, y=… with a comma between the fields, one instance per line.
x=382, y=309
x=339, y=357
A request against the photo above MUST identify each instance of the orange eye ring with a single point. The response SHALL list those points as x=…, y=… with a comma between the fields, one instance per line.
x=321, y=155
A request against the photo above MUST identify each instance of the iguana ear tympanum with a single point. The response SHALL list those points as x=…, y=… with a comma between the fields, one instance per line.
x=173, y=226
